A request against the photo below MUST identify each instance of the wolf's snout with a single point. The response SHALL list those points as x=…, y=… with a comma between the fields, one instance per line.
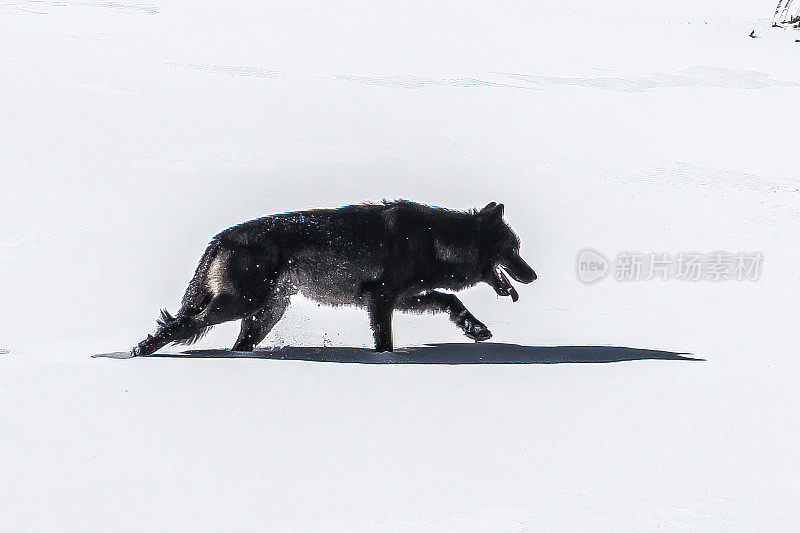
x=521, y=271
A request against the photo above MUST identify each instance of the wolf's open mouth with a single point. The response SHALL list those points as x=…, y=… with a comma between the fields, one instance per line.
x=503, y=287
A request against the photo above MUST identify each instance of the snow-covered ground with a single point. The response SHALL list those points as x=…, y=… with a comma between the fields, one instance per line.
x=131, y=133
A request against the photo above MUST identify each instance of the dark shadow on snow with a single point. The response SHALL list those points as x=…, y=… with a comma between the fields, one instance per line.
x=446, y=353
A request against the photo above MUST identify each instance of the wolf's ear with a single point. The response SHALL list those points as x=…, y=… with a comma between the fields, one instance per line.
x=492, y=210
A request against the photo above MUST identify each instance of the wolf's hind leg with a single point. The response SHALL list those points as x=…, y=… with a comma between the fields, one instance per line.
x=442, y=302
x=257, y=326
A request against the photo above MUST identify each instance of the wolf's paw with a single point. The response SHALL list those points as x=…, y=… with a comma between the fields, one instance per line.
x=477, y=331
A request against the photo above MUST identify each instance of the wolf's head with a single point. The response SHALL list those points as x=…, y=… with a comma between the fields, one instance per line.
x=500, y=252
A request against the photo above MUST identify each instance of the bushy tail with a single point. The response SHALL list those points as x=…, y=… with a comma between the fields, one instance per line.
x=165, y=319
x=194, y=300
x=183, y=328
x=197, y=296
x=185, y=332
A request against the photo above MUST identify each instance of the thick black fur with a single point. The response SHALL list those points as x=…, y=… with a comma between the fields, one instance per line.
x=383, y=257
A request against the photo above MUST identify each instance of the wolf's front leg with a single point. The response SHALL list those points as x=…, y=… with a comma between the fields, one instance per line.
x=380, y=320
x=442, y=302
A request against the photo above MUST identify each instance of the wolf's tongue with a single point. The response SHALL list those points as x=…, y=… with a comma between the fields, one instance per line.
x=507, y=286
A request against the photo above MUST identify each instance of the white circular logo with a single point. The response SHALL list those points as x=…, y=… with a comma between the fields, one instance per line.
x=592, y=266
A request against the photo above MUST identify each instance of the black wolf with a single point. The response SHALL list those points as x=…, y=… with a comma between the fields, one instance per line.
x=383, y=257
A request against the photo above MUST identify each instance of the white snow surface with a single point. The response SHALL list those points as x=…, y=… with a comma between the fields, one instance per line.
x=130, y=133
